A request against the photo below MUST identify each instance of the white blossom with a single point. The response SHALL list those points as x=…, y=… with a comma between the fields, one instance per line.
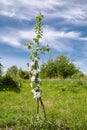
x=36, y=94
x=39, y=80
x=34, y=72
x=36, y=59
x=29, y=68
x=38, y=85
x=36, y=88
x=33, y=78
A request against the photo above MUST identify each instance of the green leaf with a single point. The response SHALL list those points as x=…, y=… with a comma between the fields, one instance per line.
x=29, y=45
x=36, y=40
x=47, y=49
x=31, y=56
x=34, y=51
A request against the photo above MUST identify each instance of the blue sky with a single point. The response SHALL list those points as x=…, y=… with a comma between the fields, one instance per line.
x=65, y=30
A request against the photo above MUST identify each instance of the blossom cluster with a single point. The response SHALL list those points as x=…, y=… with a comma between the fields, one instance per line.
x=37, y=94
x=34, y=77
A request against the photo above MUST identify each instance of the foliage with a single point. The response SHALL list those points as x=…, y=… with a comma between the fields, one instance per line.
x=23, y=74
x=61, y=66
x=8, y=83
x=11, y=78
x=7, y=80
x=65, y=67
x=12, y=73
x=12, y=70
x=51, y=69
x=78, y=75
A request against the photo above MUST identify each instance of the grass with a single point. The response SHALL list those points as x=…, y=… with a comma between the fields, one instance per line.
x=65, y=103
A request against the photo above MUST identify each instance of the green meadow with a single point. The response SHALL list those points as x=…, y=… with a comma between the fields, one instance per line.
x=65, y=103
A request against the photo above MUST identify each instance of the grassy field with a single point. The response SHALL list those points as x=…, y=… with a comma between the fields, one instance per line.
x=65, y=103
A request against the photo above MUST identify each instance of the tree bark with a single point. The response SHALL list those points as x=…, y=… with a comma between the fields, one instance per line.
x=37, y=109
x=43, y=108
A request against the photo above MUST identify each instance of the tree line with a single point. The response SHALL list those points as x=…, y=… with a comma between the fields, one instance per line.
x=60, y=67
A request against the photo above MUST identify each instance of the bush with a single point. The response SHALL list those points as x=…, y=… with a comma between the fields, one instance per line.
x=78, y=75
x=9, y=83
x=7, y=80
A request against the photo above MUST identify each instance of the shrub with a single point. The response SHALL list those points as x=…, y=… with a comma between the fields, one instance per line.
x=9, y=83
x=7, y=80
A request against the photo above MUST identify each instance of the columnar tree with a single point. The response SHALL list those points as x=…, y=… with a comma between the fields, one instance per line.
x=35, y=51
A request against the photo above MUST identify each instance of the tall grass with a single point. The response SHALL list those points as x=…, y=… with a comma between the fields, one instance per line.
x=65, y=103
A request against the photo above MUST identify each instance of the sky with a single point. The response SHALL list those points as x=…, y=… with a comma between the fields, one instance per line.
x=64, y=30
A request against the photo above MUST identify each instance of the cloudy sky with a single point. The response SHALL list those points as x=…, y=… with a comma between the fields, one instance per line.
x=65, y=30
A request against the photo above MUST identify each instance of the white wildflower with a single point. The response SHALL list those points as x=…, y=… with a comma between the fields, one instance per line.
x=33, y=78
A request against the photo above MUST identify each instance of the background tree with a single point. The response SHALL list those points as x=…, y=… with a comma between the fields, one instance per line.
x=12, y=71
x=78, y=75
x=23, y=74
x=43, y=72
x=65, y=67
x=60, y=67
x=48, y=70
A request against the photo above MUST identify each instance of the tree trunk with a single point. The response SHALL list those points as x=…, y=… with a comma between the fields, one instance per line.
x=37, y=109
x=43, y=108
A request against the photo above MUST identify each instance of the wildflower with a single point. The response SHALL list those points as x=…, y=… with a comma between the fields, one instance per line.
x=33, y=78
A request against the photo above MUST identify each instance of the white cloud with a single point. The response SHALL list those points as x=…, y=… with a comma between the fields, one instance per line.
x=25, y=34
x=10, y=41
x=73, y=11
x=9, y=36
x=59, y=40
